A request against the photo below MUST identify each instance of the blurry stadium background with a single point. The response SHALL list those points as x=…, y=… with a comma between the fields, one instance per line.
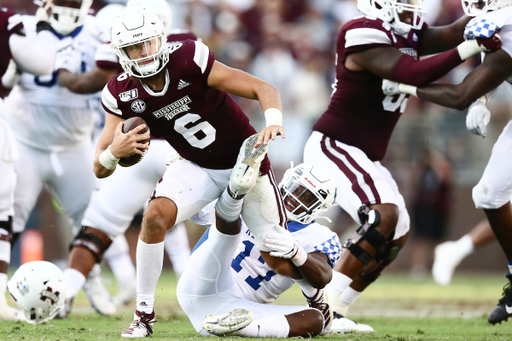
x=291, y=44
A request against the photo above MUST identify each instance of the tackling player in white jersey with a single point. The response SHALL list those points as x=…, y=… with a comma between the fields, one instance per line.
x=228, y=281
x=494, y=190
x=53, y=126
x=17, y=49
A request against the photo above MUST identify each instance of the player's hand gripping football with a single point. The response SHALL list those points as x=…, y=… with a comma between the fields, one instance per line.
x=269, y=133
x=127, y=144
x=286, y=247
x=477, y=118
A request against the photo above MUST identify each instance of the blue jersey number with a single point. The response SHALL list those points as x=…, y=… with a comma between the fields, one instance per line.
x=254, y=282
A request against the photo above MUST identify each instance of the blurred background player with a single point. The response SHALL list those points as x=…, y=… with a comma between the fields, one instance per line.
x=227, y=275
x=53, y=127
x=493, y=191
x=18, y=51
x=108, y=211
x=353, y=134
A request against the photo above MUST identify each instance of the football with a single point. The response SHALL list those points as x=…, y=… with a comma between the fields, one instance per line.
x=129, y=125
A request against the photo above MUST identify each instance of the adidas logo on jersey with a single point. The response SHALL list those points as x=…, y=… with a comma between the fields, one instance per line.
x=182, y=84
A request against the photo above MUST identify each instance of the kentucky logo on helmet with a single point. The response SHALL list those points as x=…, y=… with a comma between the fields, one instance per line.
x=49, y=294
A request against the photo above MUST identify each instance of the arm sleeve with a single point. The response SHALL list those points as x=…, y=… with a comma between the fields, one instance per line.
x=420, y=73
x=24, y=49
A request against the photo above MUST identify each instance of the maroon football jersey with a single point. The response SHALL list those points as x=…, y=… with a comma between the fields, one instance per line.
x=360, y=114
x=203, y=124
x=10, y=22
x=175, y=36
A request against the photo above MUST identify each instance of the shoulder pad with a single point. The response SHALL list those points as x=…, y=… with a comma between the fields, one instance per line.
x=366, y=31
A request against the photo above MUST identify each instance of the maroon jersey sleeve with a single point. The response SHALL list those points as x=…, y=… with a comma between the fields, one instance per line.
x=10, y=22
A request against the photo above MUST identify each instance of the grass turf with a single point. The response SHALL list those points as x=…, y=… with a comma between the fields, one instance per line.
x=396, y=307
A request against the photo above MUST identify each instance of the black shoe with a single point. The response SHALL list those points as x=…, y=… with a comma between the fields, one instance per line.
x=504, y=308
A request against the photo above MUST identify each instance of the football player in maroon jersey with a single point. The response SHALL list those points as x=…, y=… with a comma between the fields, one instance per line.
x=16, y=46
x=494, y=190
x=352, y=135
x=181, y=92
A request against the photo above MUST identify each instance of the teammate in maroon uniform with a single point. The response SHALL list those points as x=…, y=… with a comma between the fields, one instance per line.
x=16, y=46
x=181, y=93
x=353, y=133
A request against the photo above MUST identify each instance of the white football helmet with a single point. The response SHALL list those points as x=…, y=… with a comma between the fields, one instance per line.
x=140, y=33
x=477, y=7
x=308, y=190
x=39, y=289
x=390, y=10
x=104, y=19
x=160, y=7
x=65, y=15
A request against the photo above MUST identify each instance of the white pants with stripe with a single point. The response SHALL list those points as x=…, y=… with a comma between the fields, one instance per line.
x=360, y=180
x=192, y=187
x=207, y=286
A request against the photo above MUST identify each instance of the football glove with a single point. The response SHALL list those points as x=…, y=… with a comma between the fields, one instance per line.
x=390, y=88
x=286, y=247
x=477, y=118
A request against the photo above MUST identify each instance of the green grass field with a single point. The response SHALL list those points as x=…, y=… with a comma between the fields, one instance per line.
x=396, y=307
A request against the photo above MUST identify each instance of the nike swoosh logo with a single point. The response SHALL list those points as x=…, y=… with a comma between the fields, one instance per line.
x=508, y=309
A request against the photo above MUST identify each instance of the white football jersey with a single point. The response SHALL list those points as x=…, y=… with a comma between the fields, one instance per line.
x=42, y=113
x=502, y=18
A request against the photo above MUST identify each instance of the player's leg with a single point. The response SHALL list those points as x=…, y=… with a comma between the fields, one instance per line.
x=120, y=262
x=183, y=190
x=7, y=186
x=492, y=194
x=177, y=246
x=448, y=255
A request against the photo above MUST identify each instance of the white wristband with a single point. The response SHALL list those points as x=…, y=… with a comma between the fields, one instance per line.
x=300, y=258
x=407, y=89
x=468, y=49
x=108, y=160
x=273, y=116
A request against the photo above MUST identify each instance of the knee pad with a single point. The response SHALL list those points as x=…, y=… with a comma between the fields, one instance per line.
x=383, y=260
x=90, y=242
x=367, y=232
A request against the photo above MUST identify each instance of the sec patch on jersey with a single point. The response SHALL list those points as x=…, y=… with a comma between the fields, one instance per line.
x=129, y=125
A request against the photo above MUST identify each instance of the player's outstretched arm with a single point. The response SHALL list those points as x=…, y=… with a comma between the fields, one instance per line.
x=109, y=150
x=237, y=82
x=88, y=82
x=443, y=38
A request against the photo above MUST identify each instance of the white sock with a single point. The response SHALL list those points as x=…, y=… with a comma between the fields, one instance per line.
x=466, y=244
x=348, y=297
x=74, y=282
x=177, y=248
x=3, y=283
x=150, y=258
x=306, y=287
x=122, y=267
x=272, y=326
x=227, y=208
x=334, y=289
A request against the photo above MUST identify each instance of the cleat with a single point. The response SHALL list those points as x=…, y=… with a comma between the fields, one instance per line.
x=448, y=256
x=228, y=323
x=142, y=325
x=319, y=301
x=66, y=310
x=8, y=313
x=98, y=295
x=247, y=168
x=503, y=309
x=127, y=293
x=342, y=325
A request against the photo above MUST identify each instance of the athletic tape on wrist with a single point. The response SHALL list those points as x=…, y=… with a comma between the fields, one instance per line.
x=407, y=89
x=273, y=116
x=300, y=258
x=468, y=49
x=108, y=160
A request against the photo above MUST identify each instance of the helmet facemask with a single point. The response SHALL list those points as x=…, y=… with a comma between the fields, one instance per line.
x=144, y=57
x=391, y=11
x=66, y=15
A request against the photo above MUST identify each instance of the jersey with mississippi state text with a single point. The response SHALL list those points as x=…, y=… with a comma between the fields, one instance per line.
x=10, y=23
x=203, y=124
x=258, y=282
x=360, y=114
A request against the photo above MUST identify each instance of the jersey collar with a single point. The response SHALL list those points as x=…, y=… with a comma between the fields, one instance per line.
x=72, y=34
x=159, y=93
x=294, y=226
